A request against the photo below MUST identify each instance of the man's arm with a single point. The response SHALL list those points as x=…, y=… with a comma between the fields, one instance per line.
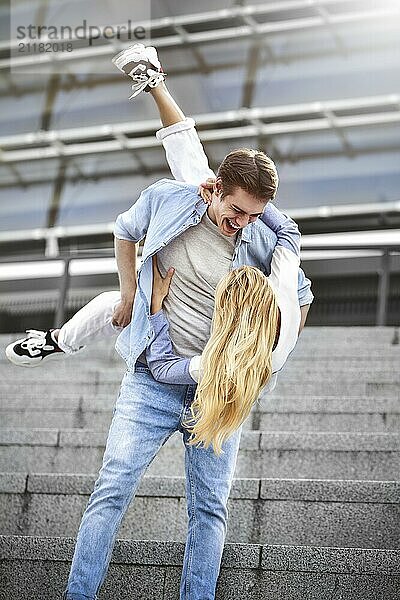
x=130, y=227
x=125, y=254
x=305, y=296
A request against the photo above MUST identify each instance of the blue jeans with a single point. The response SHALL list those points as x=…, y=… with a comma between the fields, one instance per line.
x=146, y=414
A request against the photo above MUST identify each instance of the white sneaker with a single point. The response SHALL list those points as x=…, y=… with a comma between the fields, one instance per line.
x=142, y=65
x=35, y=348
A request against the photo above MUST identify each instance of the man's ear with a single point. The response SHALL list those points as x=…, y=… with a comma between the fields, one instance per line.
x=218, y=186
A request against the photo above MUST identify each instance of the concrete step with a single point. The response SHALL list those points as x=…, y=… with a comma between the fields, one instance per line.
x=373, y=368
x=323, y=387
x=380, y=334
x=261, y=511
x=151, y=570
x=371, y=456
x=318, y=342
x=294, y=372
x=290, y=414
x=34, y=389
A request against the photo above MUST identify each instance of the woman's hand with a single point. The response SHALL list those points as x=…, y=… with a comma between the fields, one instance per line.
x=206, y=189
x=160, y=286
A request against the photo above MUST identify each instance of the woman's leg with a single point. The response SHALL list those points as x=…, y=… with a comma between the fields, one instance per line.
x=169, y=111
x=184, y=152
x=91, y=323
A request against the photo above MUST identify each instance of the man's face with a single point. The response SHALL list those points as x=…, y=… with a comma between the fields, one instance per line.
x=234, y=211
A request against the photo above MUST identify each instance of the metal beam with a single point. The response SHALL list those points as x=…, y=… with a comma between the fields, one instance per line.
x=54, y=207
x=212, y=34
x=206, y=17
x=383, y=289
x=331, y=28
x=160, y=169
x=315, y=116
x=334, y=125
x=251, y=74
x=201, y=62
x=309, y=242
x=211, y=135
x=59, y=318
x=272, y=112
x=286, y=56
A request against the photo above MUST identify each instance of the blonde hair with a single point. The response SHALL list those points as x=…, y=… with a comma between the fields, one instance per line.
x=237, y=360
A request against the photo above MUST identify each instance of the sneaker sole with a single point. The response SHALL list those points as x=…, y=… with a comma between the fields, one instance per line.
x=18, y=362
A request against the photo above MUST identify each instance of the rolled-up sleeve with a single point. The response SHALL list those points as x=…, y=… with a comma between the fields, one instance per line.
x=284, y=227
x=304, y=289
x=132, y=224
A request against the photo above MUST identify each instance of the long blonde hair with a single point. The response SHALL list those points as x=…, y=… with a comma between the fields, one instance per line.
x=237, y=360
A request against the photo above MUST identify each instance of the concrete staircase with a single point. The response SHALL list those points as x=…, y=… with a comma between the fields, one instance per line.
x=313, y=512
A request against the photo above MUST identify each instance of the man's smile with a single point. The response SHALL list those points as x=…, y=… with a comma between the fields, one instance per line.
x=230, y=226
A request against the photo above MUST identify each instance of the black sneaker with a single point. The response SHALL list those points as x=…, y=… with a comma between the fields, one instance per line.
x=32, y=350
x=142, y=65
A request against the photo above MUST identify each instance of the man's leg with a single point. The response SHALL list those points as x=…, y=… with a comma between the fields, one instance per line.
x=145, y=415
x=208, y=483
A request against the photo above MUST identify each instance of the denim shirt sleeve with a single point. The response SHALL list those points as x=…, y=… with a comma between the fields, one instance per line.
x=132, y=224
x=284, y=227
x=288, y=236
x=304, y=289
x=165, y=366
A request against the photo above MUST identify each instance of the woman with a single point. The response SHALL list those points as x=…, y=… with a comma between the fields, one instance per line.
x=255, y=327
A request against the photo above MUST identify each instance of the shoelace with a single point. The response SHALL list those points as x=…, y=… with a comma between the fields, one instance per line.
x=156, y=78
x=142, y=81
x=36, y=341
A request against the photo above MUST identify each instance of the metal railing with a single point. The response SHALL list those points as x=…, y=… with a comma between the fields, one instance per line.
x=385, y=250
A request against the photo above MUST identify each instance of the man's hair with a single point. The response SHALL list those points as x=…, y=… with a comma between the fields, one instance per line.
x=250, y=170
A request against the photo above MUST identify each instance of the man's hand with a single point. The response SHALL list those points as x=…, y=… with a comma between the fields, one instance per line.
x=206, y=189
x=160, y=286
x=123, y=313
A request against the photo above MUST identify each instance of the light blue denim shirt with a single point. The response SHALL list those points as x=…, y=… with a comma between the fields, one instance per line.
x=163, y=211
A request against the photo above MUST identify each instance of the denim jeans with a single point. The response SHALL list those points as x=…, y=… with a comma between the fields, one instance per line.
x=146, y=414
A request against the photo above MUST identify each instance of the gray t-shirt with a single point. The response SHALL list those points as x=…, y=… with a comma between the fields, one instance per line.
x=201, y=256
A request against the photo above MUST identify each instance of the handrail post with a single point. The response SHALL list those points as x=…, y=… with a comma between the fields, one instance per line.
x=62, y=297
x=383, y=289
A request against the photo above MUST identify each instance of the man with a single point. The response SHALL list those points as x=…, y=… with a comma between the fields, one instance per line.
x=202, y=244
